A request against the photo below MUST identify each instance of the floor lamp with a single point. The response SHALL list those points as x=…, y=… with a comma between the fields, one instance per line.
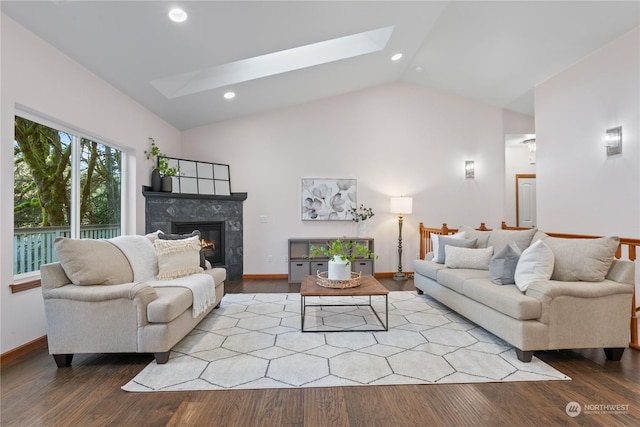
x=400, y=206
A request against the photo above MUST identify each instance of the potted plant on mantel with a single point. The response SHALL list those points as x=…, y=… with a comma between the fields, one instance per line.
x=341, y=254
x=161, y=175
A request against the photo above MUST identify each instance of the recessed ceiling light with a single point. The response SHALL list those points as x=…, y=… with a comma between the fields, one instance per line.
x=396, y=57
x=229, y=95
x=177, y=15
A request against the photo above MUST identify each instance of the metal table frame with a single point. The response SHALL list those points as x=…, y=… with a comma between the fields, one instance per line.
x=385, y=325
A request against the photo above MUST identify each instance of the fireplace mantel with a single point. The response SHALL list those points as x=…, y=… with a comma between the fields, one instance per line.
x=162, y=209
x=146, y=192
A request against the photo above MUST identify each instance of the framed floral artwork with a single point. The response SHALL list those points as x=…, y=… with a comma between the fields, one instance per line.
x=328, y=199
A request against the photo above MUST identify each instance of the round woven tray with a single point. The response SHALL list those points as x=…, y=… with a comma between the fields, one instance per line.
x=324, y=281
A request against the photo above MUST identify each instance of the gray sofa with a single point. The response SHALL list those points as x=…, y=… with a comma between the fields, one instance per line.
x=582, y=300
x=104, y=296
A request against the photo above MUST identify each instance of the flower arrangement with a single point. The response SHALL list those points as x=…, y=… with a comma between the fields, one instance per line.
x=346, y=251
x=361, y=213
x=163, y=162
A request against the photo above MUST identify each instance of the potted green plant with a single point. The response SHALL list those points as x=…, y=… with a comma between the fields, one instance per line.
x=359, y=216
x=162, y=172
x=341, y=254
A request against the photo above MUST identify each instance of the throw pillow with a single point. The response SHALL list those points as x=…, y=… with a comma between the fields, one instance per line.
x=471, y=233
x=586, y=260
x=178, y=258
x=435, y=243
x=501, y=238
x=473, y=258
x=166, y=236
x=535, y=264
x=92, y=262
x=502, y=267
x=445, y=241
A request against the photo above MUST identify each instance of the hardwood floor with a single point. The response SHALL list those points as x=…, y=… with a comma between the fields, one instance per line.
x=36, y=393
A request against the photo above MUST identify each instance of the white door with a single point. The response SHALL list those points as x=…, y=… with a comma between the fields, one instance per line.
x=526, y=200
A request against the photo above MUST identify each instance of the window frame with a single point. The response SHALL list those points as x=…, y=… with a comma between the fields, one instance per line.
x=31, y=280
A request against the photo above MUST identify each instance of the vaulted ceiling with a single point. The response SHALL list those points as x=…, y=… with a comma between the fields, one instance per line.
x=495, y=52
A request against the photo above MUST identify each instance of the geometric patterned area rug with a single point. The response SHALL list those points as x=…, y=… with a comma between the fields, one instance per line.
x=254, y=341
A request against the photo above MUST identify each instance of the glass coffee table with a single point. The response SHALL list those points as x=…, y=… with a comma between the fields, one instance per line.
x=369, y=287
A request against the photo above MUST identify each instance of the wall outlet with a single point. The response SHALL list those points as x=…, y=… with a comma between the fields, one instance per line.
x=264, y=219
x=286, y=258
x=269, y=258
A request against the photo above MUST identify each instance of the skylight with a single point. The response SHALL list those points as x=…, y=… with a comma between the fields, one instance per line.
x=274, y=63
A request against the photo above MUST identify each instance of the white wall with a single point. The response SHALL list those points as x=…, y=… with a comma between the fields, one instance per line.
x=39, y=77
x=395, y=139
x=580, y=189
x=589, y=192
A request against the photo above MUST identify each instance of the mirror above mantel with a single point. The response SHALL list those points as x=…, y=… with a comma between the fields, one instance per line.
x=196, y=177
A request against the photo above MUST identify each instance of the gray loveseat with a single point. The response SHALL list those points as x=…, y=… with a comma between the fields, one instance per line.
x=578, y=295
x=104, y=296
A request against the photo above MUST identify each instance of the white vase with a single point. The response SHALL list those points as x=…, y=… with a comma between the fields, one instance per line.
x=362, y=229
x=339, y=269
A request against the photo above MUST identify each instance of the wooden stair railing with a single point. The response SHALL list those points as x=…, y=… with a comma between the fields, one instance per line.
x=627, y=247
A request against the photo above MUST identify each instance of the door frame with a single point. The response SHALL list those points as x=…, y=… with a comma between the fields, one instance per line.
x=518, y=176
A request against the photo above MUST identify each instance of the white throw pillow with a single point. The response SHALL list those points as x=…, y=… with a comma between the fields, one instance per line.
x=477, y=259
x=178, y=258
x=435, y=244
x=535, y=264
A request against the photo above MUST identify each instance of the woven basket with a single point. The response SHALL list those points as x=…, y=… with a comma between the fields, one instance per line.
x=324, y=281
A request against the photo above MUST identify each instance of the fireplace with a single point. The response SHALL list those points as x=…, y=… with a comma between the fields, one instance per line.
x=219, y=219
x=212, y=234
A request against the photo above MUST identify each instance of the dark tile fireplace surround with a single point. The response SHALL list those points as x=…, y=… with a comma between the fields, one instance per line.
x=220, y=216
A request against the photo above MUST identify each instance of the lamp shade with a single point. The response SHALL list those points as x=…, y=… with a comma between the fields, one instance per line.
x=401, y=205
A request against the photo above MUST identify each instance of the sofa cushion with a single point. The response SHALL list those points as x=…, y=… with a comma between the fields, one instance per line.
x=178, y=258
x=435, y=244
x=585, y=260
x=503, y=265
x=506, y=299
x=445, y=241
x=92, y=262
x=166, y=236
x=474, y=258
x=219, y=275
x=427, y=268
x=471, y=233
x=454, y=278
x=171, y=303
x=535, y=264
x=501, y=238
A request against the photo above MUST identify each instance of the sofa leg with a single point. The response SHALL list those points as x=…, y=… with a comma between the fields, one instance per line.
x=419, y=291
x=524, y=356
x=62, y=360
x=614, y=354
x=162, y=358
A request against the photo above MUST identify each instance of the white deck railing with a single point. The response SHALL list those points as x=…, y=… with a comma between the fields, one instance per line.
x=33, y=247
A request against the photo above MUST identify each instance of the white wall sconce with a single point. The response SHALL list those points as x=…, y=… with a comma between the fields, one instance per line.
x=613, y=141
x=469, y=169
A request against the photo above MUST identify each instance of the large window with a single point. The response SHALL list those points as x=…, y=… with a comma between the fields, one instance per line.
x=65, y=185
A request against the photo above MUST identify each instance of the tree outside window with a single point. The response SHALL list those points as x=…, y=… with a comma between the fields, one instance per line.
x=44, y=203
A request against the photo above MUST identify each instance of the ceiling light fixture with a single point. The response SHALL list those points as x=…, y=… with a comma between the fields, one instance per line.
x=396, y=57
x=177, y=15
x=229, y=95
